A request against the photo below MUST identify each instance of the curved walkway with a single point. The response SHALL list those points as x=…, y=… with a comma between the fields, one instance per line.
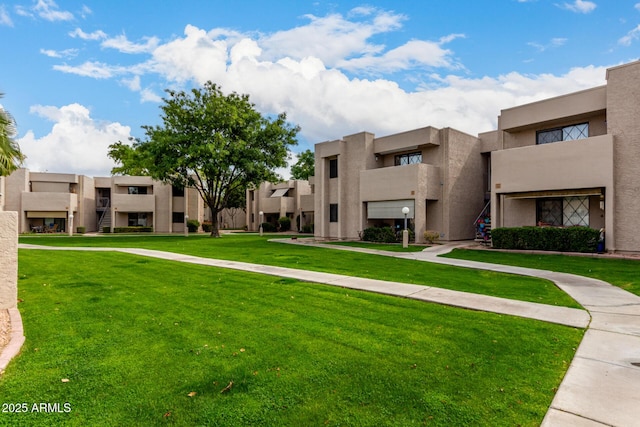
x=602, y=385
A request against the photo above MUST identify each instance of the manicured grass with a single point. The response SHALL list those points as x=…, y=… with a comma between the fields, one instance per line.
x=135, y=337
x=624, y=273
x=255, y=249
x=391, y=247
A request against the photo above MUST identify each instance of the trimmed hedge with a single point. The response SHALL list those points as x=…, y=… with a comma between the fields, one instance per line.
x=81, y=229
x=137, y=229
x=285, y=223
x=570, y=239
x=267, y=227
x=192, y=225
x=379, y=235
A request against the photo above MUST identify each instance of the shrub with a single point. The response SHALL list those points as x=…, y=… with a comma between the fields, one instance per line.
x=133, y=229
x=207, y=226
x=285, y=223
x=106, y=229
x=81, y=229
x=379, y=235
x=267, y=227
x=431, y=236
x=307, y=228
x=193, y=225
x=570, y=239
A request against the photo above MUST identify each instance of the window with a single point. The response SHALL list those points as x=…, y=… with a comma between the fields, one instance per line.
x=177, y=192
x=333, y=212
x=137, y=190
x=408, y=159
x=333, y=168
x=567, y=133
x=252, y=194
x=137, y=219
x=177, y=217
x=253, y=218
x=566, y=211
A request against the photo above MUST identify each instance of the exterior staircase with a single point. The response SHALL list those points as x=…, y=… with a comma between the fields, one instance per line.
x=105, y=217
x=482, y=225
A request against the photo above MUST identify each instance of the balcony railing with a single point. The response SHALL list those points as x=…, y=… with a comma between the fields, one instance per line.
x=400, y=182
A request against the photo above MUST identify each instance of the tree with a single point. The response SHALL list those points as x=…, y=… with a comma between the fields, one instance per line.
x=236, y=202
x=218, y=144
x=305, y=166
x=132, y=160
x=10, y=156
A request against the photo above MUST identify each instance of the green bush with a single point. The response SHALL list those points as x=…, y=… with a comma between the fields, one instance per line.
x=106, y=229
x=570, y=239
x=133, y=229
x=81, y=229
x=285, y=223
x=379, y=235
x=193, y=225
x=207, y=226
x=267, y=227
x=307, y=228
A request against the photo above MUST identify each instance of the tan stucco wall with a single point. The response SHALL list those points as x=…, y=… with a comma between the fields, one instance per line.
x=623, y=122
x=8, y=259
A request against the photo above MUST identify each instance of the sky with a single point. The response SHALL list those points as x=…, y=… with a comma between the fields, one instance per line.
x=79, y=76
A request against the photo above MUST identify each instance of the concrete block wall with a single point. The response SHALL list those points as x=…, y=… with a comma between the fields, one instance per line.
x=8, y=259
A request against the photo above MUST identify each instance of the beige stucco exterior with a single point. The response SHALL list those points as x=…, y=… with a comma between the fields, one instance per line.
x=442, y=190
x=601, y=168
x=8, y=259
x=43, y=200
x=292, y=199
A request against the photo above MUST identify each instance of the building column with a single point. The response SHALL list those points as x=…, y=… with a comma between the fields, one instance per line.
x=8, y=259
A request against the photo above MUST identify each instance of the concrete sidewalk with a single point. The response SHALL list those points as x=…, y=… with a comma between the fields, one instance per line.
x=602, y=385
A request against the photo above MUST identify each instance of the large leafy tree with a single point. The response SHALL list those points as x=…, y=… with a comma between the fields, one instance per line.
x=218, y=144
x=10, y=156
x=305, y=166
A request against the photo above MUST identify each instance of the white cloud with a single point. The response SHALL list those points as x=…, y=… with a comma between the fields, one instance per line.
x=5, y=19
x=122, y=44
x=48, y=10
x=76, y=143
x=67, y=53
x=554, y=42
x=630, y=37
x=637, y=6
x=579, y=6
x=312, y=79
x=96, y=35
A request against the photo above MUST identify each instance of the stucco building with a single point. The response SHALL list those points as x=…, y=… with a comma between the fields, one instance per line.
x=363, y=181
x=572, y=160
x=292, y=199
x=57, y=201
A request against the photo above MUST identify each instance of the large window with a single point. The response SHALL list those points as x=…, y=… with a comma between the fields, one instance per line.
x=333, y=212
x=137, y=219
x=177, y=217
x=333, y=168
x=566, y=133
x=408, y=159
x=137, y=190
x=564, y=211
x=177, y=192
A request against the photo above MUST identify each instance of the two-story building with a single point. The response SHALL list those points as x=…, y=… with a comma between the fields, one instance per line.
x=572, y=160
x=272, y=201
x=362, y=181
x=54, y=202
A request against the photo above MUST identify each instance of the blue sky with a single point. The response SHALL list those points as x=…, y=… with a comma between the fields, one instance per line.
x=78, y=76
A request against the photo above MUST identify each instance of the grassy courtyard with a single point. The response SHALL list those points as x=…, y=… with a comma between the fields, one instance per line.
x=255, y=249
x=126, y=340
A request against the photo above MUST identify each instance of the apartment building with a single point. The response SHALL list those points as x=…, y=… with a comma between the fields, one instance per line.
x=362, y=181
x=57, y=202
x=271, y=201
x=572, y=160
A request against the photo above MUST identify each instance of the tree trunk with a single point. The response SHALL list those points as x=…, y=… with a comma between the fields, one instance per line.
x=215, y=231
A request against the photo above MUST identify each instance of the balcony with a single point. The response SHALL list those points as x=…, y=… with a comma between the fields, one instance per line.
x=133, y=202
x=48, y=201
x=307, y=202
x=277, y=204
x=583, y=163
x=400, y=182
x=410, y=140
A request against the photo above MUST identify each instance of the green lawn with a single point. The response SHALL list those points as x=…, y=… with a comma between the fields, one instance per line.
x=150, y=342
x=255, y=249
x=624, y=273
